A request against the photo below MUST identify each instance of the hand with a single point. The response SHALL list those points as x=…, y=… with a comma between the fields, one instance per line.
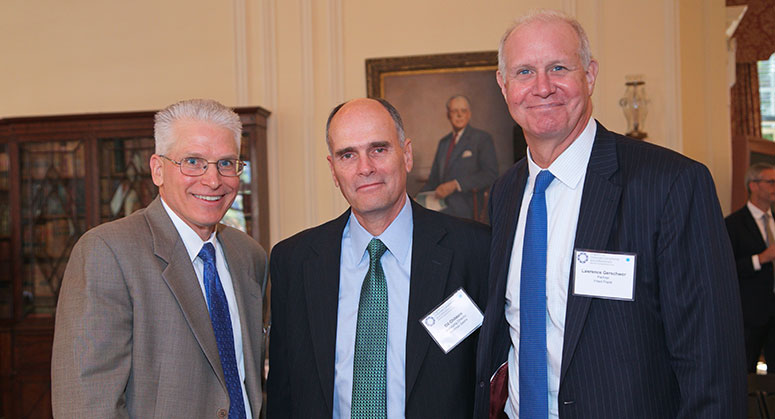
x=768, y=255
x=447, y=188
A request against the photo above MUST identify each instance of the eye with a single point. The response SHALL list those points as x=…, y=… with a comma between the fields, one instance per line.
x=191, y=161
x=380, y=150
x=558, y=68
x=226, y=163
x=523, y=72
x=346, y=156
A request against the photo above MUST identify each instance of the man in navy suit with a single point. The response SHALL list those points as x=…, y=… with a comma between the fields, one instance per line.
x=319, y=280
x=465, y=162
x=751, y=233
x=642, y=312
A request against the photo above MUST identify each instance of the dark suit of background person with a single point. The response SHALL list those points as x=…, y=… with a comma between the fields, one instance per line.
x=676, y=350
x=133, y=335
x=472, y=164
x=447, y=253
x=756, y=286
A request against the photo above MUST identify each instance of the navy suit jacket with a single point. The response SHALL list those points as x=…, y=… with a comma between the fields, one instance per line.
x=447, y=253
x=676, y=351
x=472, y=163
x=755, y=286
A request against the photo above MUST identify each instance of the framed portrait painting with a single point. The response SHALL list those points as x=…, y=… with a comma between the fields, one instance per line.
x=420, y=86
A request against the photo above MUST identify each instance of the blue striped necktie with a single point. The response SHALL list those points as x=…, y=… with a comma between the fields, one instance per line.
x=224, y=337
x=533, y=387
x=369, y=396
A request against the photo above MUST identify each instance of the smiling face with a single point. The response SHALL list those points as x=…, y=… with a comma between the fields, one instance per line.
x=200, y=201
x=367, y=161
x=458, y=113
x=547, y=89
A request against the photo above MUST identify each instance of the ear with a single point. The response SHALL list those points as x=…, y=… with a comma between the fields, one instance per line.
x=156, y=170
x=501, y=83
x=331, y=166
x=591, y=75
x=408, y=158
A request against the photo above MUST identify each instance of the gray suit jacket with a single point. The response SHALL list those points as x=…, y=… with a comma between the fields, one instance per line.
x=133, y=336
x=472, y=163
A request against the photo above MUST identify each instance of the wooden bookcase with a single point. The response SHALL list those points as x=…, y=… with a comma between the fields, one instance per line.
x=60, y=176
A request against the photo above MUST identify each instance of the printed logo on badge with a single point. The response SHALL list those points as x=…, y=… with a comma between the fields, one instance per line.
x=582, y=257
x=430, y=321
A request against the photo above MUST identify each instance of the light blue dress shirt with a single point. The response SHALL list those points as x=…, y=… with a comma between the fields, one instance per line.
x=354, y=264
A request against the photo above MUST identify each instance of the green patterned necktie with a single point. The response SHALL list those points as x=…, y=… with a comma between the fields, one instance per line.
x=369, y=397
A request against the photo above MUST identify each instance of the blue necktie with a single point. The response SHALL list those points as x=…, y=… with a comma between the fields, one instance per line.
x=224, y=337
x=369, y=396
x=533, y=387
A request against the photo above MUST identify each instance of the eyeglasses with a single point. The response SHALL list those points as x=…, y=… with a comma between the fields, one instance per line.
x=197, y=166
x=767, y=181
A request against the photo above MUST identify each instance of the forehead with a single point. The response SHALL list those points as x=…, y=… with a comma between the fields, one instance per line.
x=362, y=124
x=541, y=40
x=767, y=173
x=192, y=135
x=458, y=103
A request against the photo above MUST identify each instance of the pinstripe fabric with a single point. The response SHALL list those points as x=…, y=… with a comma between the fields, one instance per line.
x=676, y=351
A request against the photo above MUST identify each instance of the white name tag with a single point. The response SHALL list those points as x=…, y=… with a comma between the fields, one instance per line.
x=604, y=275
x=453, y=320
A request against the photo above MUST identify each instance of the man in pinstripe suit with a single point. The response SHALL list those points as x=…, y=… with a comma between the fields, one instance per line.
x=671, y=348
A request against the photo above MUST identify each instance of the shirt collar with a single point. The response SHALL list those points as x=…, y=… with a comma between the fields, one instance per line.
x=755, y=211
x=190, y=239
x=396, y=237
x=570, y=166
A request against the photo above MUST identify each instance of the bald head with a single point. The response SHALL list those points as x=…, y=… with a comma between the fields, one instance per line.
x=391, y=110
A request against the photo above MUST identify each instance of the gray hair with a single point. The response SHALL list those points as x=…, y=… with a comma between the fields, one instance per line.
x=205, y=110
x=385, y=104
x=546, y=15
x=468, y=102
x=753, y=173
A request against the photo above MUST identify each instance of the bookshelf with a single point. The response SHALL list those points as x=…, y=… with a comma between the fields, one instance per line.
x=60, y=176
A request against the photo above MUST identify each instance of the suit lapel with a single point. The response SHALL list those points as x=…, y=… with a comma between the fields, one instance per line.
x=597, y=217
x=321, y=289
x=182, y=281
x=460, y=147
x=248, y=294
x=430, y=270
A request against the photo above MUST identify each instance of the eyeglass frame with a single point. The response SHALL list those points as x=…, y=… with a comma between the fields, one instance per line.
x=240, y=165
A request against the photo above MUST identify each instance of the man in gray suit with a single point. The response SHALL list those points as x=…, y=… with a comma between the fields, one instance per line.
x=465, y=162
x=159, y=313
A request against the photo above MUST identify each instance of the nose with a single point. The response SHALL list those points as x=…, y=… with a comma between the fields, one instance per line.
x=211, y=177
x=543, y=85
x=365, y=166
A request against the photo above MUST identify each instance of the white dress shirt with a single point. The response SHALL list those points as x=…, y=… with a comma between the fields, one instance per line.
x=757, y=216
x=194, y=244
x=563, y=200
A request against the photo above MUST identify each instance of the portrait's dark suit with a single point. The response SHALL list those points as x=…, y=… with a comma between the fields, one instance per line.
x=447, y=253
x=472, y=163
x=133, y=336
x=676, y=351
x=756, y=291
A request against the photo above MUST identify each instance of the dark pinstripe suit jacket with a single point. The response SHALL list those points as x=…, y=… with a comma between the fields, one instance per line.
x=677, y=349
x=755, y=286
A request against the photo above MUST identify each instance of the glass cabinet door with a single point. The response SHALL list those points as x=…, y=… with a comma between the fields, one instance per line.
x=53, y=218
x=125, y=176
x=6, y=286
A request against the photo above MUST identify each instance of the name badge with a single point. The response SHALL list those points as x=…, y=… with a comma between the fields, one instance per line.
x=604, y=275
x=453, y=320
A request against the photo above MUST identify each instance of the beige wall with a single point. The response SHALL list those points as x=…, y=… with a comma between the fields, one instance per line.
x=298, y=58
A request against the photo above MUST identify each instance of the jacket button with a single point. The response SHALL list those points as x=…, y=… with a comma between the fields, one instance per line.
x=222, y=413
x=481, y=384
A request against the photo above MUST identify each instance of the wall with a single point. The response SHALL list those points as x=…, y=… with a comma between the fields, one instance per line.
x=298, y=58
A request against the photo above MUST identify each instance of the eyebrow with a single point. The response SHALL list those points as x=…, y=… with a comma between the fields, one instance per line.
x=373, y=144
